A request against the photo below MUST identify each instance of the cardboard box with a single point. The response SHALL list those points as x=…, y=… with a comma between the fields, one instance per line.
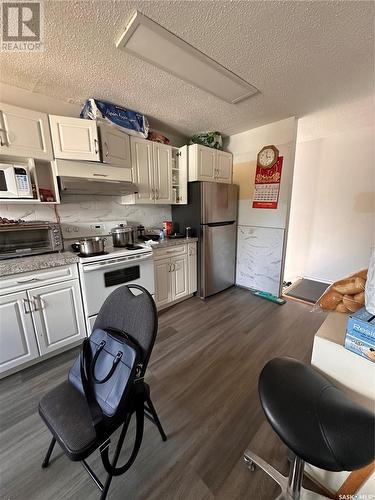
x=361, y=325
x=360, y=347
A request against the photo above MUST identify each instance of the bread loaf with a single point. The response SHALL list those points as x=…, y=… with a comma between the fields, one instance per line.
x=330, y=300
x=349, y=286
x=341, y=308
x=350, y=303
x=361, y=274
x=360, y=298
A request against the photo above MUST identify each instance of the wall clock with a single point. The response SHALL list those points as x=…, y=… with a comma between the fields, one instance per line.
x=267, y=156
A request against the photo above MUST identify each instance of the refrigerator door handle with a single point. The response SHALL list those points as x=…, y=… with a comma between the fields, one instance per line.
x=218, y=224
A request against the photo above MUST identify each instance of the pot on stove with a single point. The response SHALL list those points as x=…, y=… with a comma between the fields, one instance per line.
x=122, y=235
x=90, y=246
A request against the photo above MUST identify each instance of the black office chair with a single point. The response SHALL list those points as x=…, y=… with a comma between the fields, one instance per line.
x=317, y=422
x=65, y=410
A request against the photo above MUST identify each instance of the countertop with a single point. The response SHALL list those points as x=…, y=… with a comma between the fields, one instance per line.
x=47, y=260
x=173, y=243
x=36, y=262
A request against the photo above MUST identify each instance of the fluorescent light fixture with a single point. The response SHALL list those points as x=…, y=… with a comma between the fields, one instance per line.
x=148, y=40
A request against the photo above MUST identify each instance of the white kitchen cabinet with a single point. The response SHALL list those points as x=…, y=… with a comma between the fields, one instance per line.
x=24, y=133
x=179, y=277
x=58, y=315
x=115, y=146
x=163, y=289
x=179, y=175
x=40, y=312
x=143, y=170
x=208, y=164
x=74, y=138
x=152, y=172
x=162, y=173
x=224, y=167
x=17, y=339
x=192, y=266
x=175, y=273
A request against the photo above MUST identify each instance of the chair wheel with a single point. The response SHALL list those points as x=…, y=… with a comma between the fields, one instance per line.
x=249, y=464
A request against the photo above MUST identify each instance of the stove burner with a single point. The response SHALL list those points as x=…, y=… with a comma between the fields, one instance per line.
x=91, y=254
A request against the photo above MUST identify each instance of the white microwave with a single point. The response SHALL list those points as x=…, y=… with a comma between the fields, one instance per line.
x=15, y=181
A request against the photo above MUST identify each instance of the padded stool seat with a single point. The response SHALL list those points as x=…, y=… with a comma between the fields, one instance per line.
x=66, y=413
x=315, y=419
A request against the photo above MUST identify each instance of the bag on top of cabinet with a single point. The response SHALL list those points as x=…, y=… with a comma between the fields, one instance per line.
x=135, y=123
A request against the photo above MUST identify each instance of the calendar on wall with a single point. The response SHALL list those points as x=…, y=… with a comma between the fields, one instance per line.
x=267, y=185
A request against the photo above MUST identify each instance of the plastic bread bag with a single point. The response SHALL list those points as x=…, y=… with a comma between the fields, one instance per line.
x=346, y=295
x=370, y=285
x=129, y=121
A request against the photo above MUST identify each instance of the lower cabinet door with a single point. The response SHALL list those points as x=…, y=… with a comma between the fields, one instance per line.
x=192, y=267
x=58, y=315
x=162, y=271
x=17, y=338
x=180, y=279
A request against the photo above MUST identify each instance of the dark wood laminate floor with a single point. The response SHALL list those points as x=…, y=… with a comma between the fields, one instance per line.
x=203, y=375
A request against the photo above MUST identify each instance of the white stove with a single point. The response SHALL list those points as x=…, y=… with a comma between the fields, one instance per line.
x=101, y=274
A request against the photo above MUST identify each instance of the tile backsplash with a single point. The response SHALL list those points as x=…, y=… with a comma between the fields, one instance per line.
x=74, y=208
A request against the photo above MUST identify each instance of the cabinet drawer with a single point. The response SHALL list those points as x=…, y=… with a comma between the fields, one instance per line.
x=25, y=281
x=161, y=253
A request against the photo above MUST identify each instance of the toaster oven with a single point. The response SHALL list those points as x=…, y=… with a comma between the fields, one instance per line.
x=29, y=238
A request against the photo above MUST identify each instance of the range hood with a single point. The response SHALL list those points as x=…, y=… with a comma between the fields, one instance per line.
x=87, y=178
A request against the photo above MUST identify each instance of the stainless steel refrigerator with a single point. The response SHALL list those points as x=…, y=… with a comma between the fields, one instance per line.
x=212, y=215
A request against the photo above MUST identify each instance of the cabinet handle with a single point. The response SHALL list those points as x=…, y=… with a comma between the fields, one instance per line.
x=169, y=268
x=153, y=193
x=36, y=299
x=100, y=175
x=2, y=142
x=27, y=281
x=106, y=149
x=173, y=267
x=157, y=193
x=96, y=146
x=26, y=302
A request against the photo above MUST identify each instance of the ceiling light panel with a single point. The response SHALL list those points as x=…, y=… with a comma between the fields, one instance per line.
x=151, y=42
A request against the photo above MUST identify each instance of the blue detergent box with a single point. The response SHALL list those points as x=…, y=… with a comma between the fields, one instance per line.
x=360, y=347
x=361, y=325
x=360, y=334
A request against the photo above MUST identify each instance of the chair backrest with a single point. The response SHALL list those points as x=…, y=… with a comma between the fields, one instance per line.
x=135, y=314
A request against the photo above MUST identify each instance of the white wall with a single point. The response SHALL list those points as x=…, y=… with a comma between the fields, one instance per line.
x=331, y=228
x=261, y=232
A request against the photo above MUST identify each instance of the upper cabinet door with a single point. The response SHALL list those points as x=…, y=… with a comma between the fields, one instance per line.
x=162, y=173
x=115, y=146
x=17, y=339
x=206, y=163
x=143, y=169
x=224, y=167
x=74, y=138
x=58, y=315
x=24, y=133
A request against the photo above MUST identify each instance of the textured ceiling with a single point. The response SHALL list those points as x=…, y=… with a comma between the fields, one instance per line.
x=302, y=56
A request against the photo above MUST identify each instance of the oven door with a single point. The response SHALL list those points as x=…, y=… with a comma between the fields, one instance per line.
x=99, y=279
